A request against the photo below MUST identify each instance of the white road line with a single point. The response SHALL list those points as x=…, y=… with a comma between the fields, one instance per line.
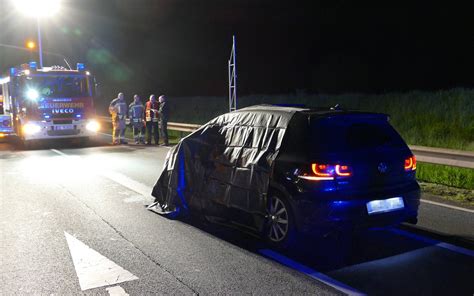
x=127, y=182
x=456, y=249
x=447, y=206
x=310, y=272
x=434, y=242
x=120, y=179
x=136, y=199
x=59, y=152
x=93, y=269
x=116, y=291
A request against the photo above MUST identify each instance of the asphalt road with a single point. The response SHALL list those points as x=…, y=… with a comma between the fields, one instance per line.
x=66, y=213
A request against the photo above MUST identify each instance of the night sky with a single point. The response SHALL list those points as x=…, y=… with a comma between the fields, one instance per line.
x=181, y=47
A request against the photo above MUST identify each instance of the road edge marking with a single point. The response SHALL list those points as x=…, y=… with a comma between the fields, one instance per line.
x=59, y=152
x=127, y=182
x=310, y=272
x=434, y=242
x=119, y=178
x=447, y=206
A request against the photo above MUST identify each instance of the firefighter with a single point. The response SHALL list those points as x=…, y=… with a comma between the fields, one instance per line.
x=118, y=110
x=151, y=119
x=136, y=112
x=164, y=115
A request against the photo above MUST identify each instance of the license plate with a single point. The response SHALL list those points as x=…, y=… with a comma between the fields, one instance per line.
x=64, y=127
x=385, y=205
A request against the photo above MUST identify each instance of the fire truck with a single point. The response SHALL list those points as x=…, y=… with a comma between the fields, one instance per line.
x=5, y=122
x=49, y=103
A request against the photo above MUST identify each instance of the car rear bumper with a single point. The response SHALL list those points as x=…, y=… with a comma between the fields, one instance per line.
x=324, y=213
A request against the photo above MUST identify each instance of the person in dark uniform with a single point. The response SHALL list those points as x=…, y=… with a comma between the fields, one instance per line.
x=151, y=118
x=164, y=116
x=136, y=113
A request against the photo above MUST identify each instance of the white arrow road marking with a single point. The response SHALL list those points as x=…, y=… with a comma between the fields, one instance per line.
x=93, y=269
x=116, y=291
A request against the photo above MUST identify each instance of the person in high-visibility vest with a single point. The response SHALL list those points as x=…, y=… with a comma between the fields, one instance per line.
x=136, y=112
x=151, y=120
x=118, y=110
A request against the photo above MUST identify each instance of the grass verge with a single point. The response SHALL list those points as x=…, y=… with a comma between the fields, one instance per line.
x=449, y=183
x=463, y=197
x=445, y=175
x=435, y=119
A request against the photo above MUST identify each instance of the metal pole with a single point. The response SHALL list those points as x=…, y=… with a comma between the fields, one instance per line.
x=40, y=48
x=230, y=82
x=235, y=72
x=232, y=78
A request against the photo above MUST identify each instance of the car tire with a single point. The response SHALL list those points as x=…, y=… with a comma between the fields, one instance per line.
x=27, y=144
x=279, y=230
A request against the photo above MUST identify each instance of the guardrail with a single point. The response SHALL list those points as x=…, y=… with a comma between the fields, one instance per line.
x=463, y=159
x=175, y=126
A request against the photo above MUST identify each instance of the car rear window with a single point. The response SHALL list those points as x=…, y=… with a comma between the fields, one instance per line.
x=344, y=134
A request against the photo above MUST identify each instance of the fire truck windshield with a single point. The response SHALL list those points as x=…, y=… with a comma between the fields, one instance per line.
x=58, y=86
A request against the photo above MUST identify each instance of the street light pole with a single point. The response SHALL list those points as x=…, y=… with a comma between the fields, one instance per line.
x=40, y=48
x=38, y=9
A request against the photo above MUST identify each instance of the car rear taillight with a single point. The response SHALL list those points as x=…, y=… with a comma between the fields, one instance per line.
x=320, y=172
x=343, y=171
x=410, y=163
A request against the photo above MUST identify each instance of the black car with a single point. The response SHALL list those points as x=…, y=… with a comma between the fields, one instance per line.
x=278, y=171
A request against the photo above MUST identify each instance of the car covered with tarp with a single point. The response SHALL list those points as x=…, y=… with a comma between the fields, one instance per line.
x=279, y=170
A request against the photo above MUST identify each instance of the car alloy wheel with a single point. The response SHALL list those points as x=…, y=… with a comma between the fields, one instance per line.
x=277, y=219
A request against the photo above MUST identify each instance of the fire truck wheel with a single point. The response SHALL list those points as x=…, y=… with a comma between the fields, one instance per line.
x=28, y=144
x=85, y=141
